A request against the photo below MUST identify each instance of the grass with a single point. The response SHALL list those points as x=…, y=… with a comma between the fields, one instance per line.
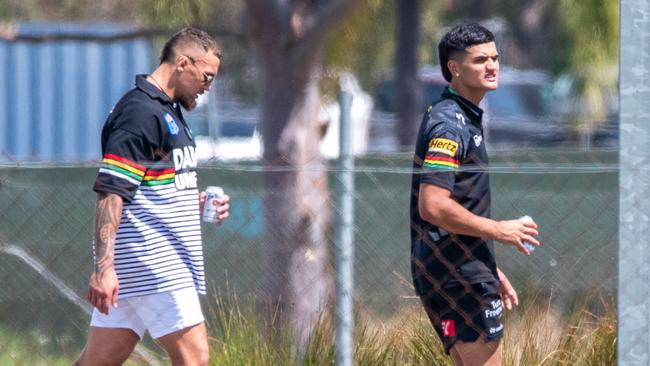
x=30, y=349
x=543, y=336
x=536, y=334
x=33, y=348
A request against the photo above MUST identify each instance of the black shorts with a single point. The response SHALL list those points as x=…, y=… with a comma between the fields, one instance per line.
x=466, y=313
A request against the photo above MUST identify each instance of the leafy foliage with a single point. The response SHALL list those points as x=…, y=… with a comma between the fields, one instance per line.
x=592, y=31
x=365, y=42
x=175, y=13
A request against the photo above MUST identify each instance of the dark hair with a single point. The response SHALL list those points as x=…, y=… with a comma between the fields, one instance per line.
x=189, y=36
x=457, y=40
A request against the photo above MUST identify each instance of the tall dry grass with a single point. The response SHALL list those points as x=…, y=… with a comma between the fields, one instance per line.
x=537, y=333
x=543, y=335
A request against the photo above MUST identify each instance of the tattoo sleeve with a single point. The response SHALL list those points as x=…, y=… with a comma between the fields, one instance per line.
x=107, y=219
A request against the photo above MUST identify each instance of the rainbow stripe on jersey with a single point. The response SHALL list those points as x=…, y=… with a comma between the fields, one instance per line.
x=441, y=162
x=158, y=177
x=135, y=173
x=122, y=168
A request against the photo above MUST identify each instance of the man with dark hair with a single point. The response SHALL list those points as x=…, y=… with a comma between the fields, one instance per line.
x=147, y=242
x=452, y=255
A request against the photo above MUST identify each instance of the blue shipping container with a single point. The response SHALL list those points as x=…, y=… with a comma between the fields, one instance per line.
x=55, y=94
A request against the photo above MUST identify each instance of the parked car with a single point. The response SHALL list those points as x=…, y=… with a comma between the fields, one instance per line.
x=225, y=128
x=599, y=130
x=518, y=114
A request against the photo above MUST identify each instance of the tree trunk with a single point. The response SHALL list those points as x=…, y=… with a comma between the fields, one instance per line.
x=409, y=93
x=534, y=30
x=289, y=36
x=296, y=209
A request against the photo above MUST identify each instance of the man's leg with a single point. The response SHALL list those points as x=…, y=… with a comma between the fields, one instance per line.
x=478, y=353
x=187, y=346
x=107, y=346
x=455, y=356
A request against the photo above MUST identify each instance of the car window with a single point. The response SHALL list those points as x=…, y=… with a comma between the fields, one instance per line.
x=236, y=129
x=432, y=93
x=510, y=99
x=226, y=119
x=517, y=100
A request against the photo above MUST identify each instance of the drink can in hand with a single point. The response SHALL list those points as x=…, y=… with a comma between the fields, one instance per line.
x=529, y=246
x=212, y=193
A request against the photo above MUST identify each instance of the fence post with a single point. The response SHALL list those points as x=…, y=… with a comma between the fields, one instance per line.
x=634, y=184
x=345, y=242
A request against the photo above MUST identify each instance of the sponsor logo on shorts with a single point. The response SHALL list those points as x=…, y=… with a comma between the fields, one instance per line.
x=497, y=329
x=496, y=310
x=448, y=328
x=444, y=146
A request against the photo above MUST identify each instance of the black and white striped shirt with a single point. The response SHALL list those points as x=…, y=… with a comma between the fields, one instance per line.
x=149, y=160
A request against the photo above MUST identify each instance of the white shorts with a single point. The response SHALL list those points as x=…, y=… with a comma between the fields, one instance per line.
x=161, y=313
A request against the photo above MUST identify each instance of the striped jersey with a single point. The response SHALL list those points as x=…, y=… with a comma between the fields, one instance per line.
x=450, y=153
x=149, y=160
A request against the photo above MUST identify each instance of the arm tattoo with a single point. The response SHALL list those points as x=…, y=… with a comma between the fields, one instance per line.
x=109, y=211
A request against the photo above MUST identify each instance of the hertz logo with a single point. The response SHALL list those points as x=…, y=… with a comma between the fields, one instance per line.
x=444, y=146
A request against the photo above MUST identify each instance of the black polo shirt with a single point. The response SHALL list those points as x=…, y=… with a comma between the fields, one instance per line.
x=450, y=153
x=145, y=132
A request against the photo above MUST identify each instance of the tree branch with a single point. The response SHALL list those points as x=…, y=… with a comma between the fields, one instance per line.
x=325, y=18
x=268, y=20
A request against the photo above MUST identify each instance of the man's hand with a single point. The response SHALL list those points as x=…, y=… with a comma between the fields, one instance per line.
x=516, y=232
x=222, y=204
x=508, y=293
x=103, y=290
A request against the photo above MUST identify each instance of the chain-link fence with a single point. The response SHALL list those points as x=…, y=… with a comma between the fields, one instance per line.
x=46, y=224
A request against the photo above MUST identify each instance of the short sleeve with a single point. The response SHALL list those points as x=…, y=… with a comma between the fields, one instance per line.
x=442, y=156
x=123, y=164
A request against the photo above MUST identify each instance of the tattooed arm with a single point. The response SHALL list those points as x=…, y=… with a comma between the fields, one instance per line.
x=104, y=286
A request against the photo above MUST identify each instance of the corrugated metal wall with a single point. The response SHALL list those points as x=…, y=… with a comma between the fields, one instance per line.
x=55, y=95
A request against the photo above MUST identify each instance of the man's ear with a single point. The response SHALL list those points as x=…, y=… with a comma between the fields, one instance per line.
x=181, y=62
x=452, y=66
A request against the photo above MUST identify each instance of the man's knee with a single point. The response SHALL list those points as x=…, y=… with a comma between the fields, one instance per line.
x=195, y=354
x=203, y=355
x=107, y=346
x=188, y=346
x=478, y=353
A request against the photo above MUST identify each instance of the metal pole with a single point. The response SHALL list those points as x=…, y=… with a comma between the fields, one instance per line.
x=345, y=242
x=634, y=185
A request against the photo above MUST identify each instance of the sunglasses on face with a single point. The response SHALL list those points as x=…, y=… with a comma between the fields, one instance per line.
x=207, y=79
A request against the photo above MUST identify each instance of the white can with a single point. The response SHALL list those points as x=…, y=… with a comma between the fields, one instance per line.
x=209, y=209
x=529, y=246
